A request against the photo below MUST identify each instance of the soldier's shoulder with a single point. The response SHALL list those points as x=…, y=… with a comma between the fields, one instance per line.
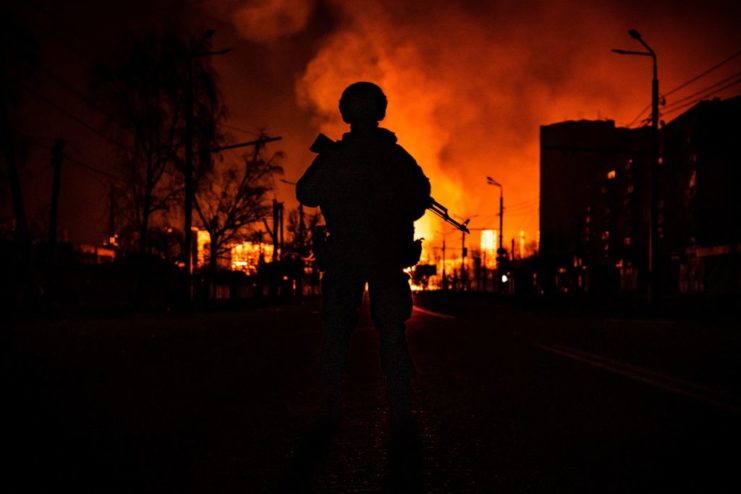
x=403, y=157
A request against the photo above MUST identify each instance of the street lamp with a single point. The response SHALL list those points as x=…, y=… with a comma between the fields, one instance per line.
x=653, y=172
x=491, y=181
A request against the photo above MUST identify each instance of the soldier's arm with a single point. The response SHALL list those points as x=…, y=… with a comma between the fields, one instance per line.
x=309, y=189
x=417, y=187
x=422, y=191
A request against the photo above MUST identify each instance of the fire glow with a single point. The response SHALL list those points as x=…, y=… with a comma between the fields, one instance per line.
x=469, y=83
x=453, y=92
x=243, y=256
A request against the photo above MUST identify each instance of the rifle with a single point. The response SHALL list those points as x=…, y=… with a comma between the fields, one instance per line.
x=322, y=143
x=442, y=212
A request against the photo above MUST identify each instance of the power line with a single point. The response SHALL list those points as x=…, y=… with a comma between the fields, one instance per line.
x=70, y=88
x=702, y=74
x=521, y=203
x=70, y=33
x=80, y=163
x=234, y=127
x=522, y=206
x=704, y=90
x=685, y=84
x=94, y=169
x=523, y=211
x=647, y=107
x=75, y=118
x=693, y=102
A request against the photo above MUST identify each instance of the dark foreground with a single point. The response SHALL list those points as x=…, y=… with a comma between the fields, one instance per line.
x=508, y=400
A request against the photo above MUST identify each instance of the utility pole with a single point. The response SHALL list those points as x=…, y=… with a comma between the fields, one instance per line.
x=189, y=190
x=445, y=277
x=277, y=234
x=188, y=166
x=464, y=253
x=277, y=229
x=57, y=155
x=653, y=172
x=301, y=226
x=512, y=249
x=653, y=238
x=281, y=230
x=7, y=142
x=501, y=215
x=501, y=251
x=111, y=213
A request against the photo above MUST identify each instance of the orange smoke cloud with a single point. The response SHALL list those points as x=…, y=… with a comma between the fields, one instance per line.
x=470, y=83
x=457, y=100
x=268, y=20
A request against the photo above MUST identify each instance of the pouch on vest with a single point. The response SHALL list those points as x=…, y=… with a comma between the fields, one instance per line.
x=412, y=253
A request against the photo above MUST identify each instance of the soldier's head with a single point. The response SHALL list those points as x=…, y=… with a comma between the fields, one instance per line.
x=362, y=102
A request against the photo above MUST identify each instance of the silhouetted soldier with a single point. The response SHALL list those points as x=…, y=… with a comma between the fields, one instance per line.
x=370, y=191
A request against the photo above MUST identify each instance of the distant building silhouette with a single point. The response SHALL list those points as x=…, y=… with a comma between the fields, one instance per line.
x=700, y=215
x=594, y=203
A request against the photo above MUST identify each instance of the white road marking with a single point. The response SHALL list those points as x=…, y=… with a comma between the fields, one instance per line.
x=433, y=313
x=672, y=384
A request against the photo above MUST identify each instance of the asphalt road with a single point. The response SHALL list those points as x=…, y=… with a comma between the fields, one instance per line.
x=509, y=399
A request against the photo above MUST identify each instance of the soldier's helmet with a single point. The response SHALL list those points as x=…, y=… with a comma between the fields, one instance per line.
x=363, y=101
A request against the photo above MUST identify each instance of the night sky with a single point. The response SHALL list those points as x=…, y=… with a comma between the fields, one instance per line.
x=468, y=83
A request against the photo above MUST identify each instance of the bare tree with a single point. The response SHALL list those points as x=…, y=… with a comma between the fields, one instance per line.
x=233, y=196
x=145, y=92
x=18, y=64
x=301, y=229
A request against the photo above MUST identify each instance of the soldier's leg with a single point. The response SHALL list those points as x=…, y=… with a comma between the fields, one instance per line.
x=342, y=294
x=391, y=306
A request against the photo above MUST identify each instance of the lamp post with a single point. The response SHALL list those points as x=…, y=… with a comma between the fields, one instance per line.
x=490, y=181
x=188, y=166
x=653, y=172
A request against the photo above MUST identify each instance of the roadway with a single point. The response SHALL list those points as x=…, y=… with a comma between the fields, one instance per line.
x=508, y=398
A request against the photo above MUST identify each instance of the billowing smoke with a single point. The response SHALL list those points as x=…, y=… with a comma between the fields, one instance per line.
x=469, y=83
x=268, y=20
x=466, y=93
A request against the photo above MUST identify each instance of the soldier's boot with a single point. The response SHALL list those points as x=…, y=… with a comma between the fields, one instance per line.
x=399, y=393
x=330, y=407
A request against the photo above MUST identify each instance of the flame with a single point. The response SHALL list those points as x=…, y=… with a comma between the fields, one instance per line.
x=452, y=92
x=245, y=256
x=469, y=84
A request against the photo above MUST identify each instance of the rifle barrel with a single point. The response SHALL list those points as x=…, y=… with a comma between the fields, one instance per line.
x=442, y=212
